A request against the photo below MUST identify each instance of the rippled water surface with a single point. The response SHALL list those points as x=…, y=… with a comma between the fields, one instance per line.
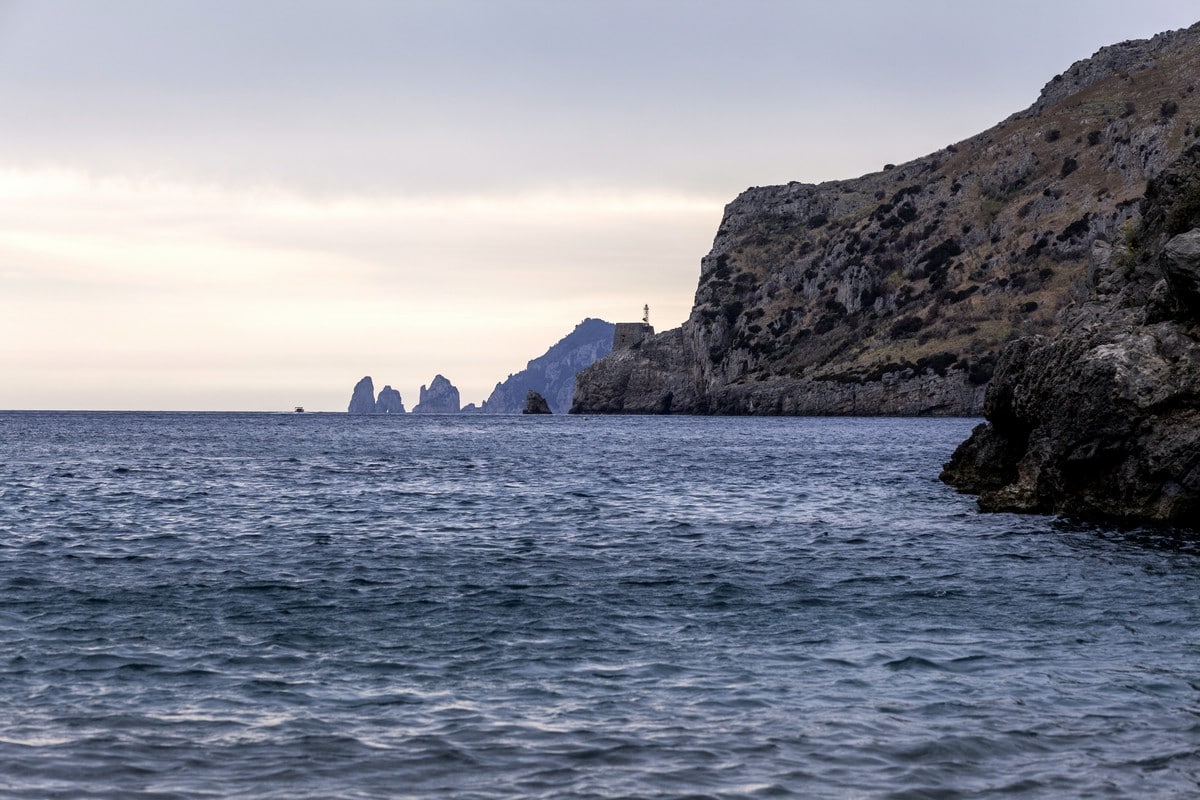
x=207, y=605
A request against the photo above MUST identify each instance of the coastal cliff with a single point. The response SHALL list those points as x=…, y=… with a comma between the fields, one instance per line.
x=552, y=374
x=1103, y=419
x=894, y=293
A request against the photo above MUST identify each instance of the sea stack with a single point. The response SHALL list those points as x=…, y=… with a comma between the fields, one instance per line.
x=362, y=401
x=389, y=402
x=535, y=404
x=440, y=397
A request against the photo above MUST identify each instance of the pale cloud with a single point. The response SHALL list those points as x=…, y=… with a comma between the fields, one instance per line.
x=173, y=279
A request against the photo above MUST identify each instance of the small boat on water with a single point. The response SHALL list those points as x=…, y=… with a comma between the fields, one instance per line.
x=299, y=409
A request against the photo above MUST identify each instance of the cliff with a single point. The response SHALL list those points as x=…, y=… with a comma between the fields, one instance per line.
x=440, y=397
x=894, y=293
x=1103, y=419
x=552, y=374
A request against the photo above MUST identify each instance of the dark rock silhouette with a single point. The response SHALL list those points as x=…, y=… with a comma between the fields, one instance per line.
x=552, y=374
x=535, y=404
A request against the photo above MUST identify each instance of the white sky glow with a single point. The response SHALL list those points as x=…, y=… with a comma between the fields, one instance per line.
x=251, y=205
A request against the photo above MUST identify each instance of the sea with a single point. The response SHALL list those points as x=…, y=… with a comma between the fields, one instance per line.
x=336, y=606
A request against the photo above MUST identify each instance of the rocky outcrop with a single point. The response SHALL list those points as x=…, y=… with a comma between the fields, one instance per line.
x=895, y=292
x=441, y=397
x=1103, y=419
x=552, y=374
x=362, y=400
x=389, y=402
x=652, y=377
x=535, y=404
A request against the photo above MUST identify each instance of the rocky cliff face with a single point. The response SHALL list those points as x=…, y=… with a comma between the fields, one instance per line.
x=652, y=377
x=441, y=397
x=362, y=400
x=552, y=374
x=894, y=293
x=1103, y=419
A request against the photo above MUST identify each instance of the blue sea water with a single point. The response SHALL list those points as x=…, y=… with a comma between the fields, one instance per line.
x=304, y=605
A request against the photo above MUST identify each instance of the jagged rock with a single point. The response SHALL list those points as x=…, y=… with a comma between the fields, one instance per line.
x=535, y=404
x=1181, y=264
x=362, y=401
x=813, y=294
x=440, y=398
x=552, y=374
x=1103, y=419
x=389, y=402
x=650, y=378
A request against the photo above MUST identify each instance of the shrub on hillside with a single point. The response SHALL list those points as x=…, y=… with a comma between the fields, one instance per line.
x=905, y=326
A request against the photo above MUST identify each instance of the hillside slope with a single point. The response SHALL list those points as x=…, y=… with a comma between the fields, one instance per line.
x=893, y=293
x=552, y=374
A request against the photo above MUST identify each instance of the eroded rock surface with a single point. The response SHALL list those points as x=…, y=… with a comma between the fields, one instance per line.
x=1103, y=419
x=895, y=292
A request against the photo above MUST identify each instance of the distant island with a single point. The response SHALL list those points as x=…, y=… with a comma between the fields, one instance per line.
x=551, y=376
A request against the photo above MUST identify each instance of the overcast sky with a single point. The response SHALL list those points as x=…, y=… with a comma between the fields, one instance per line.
x=250, y=205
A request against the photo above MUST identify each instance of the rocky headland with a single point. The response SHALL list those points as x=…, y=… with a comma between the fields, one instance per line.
x=895, y=293
x=552, y=374
x=1103, y=418
x=362, y=399
x=440, y=397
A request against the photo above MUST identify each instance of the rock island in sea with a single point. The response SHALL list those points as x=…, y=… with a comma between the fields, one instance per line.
x=363, y=400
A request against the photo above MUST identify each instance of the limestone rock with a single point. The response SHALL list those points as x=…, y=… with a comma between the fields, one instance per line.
x=552, y=374
x=1181, y=264
x=1103, y=418
x=535, y=404
x=362, y=401
x=653, y=377
x=441, y=397
x=389, y=402
x=813, y=294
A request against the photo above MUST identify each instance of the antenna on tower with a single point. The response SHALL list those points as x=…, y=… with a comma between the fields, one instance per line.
x=646, y=314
